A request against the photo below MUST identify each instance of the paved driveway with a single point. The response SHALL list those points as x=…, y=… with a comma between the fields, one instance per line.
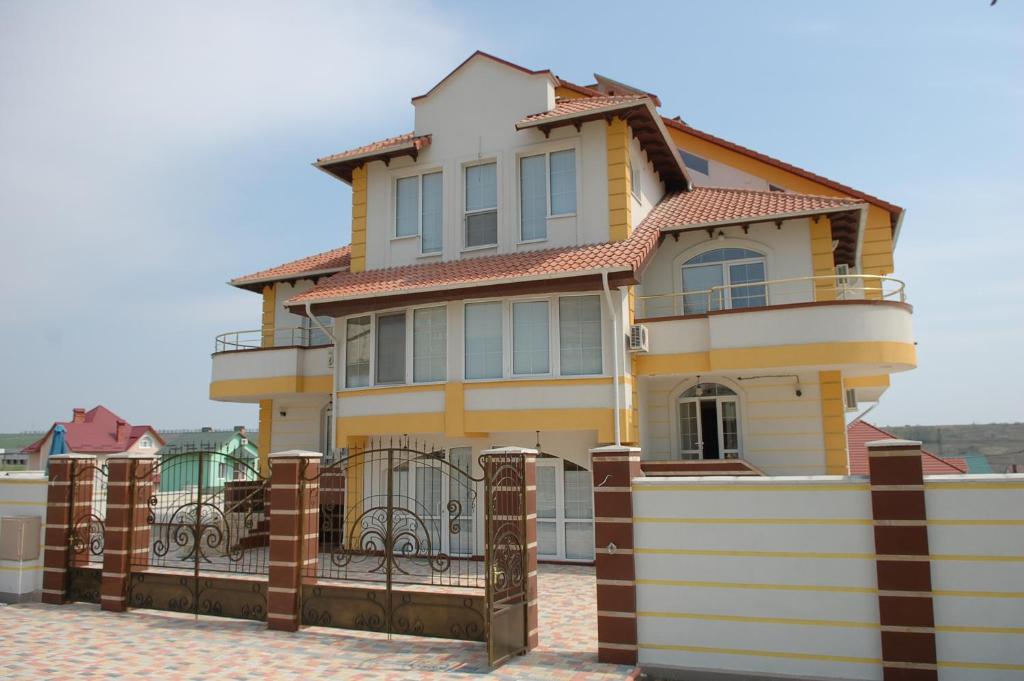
x=80, y=641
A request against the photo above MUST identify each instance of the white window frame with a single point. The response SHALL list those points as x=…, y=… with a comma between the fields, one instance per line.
x=552, y=319
x=410, y=338
x=410, y=359
x=496, y=162
x=558, y=335
x=419, y=207
x=726, y=299
x=145, y=442
x=559, y=519
x=546, y=152
x=506, y=345
x=634, y=181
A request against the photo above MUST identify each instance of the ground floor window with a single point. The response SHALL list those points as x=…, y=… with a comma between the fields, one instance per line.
x=565, y=511
x=709, y=422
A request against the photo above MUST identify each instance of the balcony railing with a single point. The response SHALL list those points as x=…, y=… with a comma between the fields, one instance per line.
x=287, y=336
x=771, y=293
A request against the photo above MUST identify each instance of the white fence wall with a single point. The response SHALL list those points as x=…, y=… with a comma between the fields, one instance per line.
x=777, y=575
x=22, y=494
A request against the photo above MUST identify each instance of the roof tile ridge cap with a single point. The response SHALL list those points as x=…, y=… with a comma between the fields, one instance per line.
x=768, y=192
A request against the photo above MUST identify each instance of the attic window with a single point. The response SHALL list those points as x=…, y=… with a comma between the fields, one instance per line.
x=146, y=443
x=775, y=188
x=694, y=162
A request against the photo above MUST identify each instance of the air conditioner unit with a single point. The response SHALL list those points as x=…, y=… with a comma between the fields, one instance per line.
x=851, y=399
x=638, y=338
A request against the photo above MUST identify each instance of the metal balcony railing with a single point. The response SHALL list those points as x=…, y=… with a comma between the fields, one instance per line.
x=761, y=294
x=287, y=336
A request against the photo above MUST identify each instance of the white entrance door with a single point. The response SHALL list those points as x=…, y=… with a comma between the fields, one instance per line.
x=565, y=511
x=709, y=423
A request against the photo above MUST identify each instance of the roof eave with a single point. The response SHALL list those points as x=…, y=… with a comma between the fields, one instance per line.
x=247, y=284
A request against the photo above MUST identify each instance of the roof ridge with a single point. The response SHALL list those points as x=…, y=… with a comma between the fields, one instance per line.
x=839, y=199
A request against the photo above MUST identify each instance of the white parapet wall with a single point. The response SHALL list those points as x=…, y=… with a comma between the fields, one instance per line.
x=776, y=576
x=22, y=494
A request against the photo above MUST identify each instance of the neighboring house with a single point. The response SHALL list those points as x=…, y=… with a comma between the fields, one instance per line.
x=976, y=462
x=859, y=433
x=543, y=261
x=225, y=456
x=98, y=431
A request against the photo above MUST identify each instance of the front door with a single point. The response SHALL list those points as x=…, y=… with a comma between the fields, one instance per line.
x=708, y=423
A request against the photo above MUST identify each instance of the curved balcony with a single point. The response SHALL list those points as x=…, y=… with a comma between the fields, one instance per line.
x=257, y=364
x=858, y=323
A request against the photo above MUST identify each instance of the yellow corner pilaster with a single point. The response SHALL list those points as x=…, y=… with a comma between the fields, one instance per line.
x=358, y=259
x=266, y=434
x=833, y=422
x=822, y=259
x=269, y=315
x=619, y=197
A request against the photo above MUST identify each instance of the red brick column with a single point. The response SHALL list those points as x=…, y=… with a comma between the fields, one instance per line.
x=902, y=559
x=126, y=544
x=294, y=533
x=67, y=478
x=614, y=468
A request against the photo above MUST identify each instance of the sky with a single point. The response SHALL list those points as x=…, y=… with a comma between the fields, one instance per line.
x=149, y=152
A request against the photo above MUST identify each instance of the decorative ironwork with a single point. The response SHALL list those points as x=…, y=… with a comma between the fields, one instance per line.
x=84, y=584
x=88, y=512
x=207, y=514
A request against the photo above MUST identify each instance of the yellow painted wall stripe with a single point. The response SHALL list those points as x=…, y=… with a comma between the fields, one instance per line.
x=939, y=486
x=754, y=487
x=976, y=594
x=823, y=555
x=22, y=503
x=23, y=481
x=817, y=588
x=977, y=558
x=982, y=665
x=760, y=653
x=768, y=356
x=274, y=385
x=756, y=521
x=950, y=629
x=27, y=568
x=790, y=621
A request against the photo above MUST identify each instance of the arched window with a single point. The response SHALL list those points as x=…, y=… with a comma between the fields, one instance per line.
x=146, y=442
x=709, y=422
x=722, y=279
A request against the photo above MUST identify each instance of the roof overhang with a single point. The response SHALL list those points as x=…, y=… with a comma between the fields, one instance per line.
x=256, y=285
x=341, y=168
x=647, y=126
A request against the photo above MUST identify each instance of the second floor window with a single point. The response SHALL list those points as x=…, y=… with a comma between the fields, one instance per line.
x=429, y=344
x=357, y=352
x=483, y=340
x=391, y=348
x=482, y=205
x=418, y=210
x=722, y=279
x=540, y=198
x=530, y=338
x=579, y=333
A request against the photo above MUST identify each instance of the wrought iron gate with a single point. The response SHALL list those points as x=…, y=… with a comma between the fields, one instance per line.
x=88, y=524
x=207, y=519
x=505, y=525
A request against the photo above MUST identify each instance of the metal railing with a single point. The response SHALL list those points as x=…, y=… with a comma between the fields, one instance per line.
x=771, y=292
x=284, y=336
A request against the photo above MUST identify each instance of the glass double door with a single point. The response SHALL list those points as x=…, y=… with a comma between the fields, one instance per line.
x=565, y=511
x=708, y=428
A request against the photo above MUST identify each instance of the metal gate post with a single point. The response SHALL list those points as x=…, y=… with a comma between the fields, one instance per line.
x=60, y=517
x=128, y=492
x=294, y=526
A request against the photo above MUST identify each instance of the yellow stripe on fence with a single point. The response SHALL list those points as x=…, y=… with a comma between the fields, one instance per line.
x=756, y=554
x=760, y=653
x=754, y=487
x=982, y=665
x=792, y=621
x=756, y=521
x=817, y=588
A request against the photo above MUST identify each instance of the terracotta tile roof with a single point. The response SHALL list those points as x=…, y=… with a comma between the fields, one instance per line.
x=335, y=259
x=409, y=139
x=571, y=107
x=859, y=433
x=697, y=207
x=96, y=434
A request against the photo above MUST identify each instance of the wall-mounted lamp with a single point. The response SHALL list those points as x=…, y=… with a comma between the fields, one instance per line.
x=700, y=390
x=283, y=413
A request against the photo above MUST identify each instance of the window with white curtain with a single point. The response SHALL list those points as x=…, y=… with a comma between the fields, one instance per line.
x=407, y=206
x=461, y=490
x=429, y=344
x=391, y=348
x=357, y=352
x=431, y=211
x=540, y=198
x=530, y=338
x=482, y=205
x=483, y=340
x=579, y=335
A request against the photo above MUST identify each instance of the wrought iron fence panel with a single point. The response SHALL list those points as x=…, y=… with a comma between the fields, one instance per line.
x=88, y=515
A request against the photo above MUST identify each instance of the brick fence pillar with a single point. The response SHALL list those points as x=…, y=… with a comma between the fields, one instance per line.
x=614, y=468
x=902, y=561
x=65, y=490
x=126, y=544
x=294, y=533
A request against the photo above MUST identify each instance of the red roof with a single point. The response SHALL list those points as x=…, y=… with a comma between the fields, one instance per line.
x=321, y=263
x=96, y=433
x=680, y=210
x=408, y=140
x=566, y=107
x=859, y=433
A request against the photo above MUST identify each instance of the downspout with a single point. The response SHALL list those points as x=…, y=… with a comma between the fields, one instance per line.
x=616, y=348
x=332, y=440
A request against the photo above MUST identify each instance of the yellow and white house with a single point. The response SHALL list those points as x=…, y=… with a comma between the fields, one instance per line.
x=544, y=262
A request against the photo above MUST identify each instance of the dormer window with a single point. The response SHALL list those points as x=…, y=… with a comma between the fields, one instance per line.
x=482, y=205
x=540, y=198
x=146, y=442
x=418, y=210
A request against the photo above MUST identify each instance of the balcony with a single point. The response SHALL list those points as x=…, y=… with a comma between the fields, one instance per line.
x=257, y=364
x=860, y=324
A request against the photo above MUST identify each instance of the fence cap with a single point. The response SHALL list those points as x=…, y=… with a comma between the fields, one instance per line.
x=612, y=449
x=70, y=456
x=511, y=450
x=295, y=454
x=893, y=444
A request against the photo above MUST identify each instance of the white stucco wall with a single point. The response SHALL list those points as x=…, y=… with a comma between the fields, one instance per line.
x=22, y=494
x=722, y=175
x=651, y=186
x=300, y=424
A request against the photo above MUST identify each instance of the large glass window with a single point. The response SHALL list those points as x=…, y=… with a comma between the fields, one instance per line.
x=357, y=352
x=563, y=182
x=722, y=279
x=391, y=348
x=429, y=344
x=407, y=206
x=483, y=340
x=530, y=338
x=432, y=213
x=579, y=335
x=533, y=200
x=482, y=205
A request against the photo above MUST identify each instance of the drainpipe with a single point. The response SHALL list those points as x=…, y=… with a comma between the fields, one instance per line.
x=616, y=347
x=334, y=378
